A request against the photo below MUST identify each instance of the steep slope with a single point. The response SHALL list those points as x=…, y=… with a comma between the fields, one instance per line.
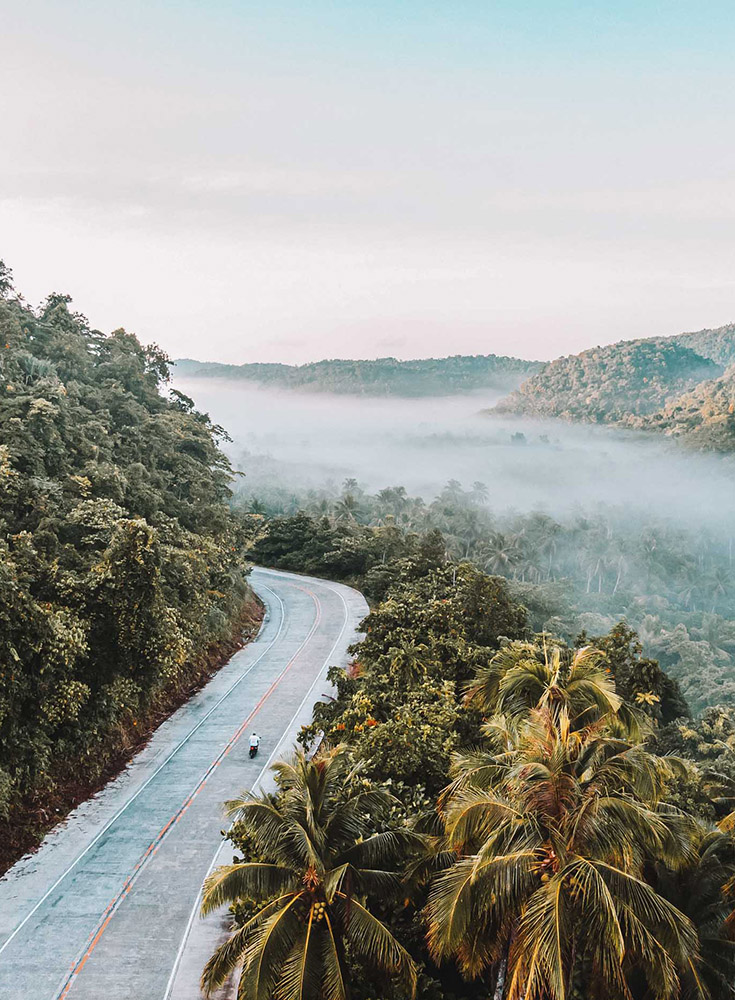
x=608, y=384
x=704, y=417
x=718, y=345
x=380, y=377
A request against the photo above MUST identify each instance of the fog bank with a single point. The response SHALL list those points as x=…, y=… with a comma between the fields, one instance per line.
x=307, y=441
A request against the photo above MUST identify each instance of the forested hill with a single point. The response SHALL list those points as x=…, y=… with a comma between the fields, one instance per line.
x=717, y=345
x=609, y=384
x=120, y=566
x=379, y=377
x=704, y=417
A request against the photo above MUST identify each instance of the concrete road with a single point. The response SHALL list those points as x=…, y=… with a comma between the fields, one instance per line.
x=107, y=907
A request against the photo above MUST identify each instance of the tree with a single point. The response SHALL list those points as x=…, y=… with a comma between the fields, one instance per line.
x=6, y=280
x=320, y=861
x=552, y=838
x=121, y=566
x=545, y=672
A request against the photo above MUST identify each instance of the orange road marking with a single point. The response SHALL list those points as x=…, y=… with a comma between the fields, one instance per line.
x=112, y=907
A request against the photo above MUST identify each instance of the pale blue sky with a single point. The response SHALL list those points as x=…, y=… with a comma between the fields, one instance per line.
x=243, y=181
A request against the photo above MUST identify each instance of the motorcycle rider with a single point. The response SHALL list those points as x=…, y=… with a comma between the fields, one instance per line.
x=254, y=744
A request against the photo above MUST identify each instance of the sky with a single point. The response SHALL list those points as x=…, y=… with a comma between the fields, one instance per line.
x=241, y=181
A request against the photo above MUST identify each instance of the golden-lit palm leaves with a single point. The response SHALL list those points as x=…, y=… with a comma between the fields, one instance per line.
x=526, y=675
x=553, y=828
x=323, y=859
x=704, y=888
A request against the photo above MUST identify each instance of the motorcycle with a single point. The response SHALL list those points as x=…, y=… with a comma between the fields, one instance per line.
x=253, y=752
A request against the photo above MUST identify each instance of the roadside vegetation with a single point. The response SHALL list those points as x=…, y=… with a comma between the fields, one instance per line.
x=583, y=573
x=122, y=570
x=530, y=817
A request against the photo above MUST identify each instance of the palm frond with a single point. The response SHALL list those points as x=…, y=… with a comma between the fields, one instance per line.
x=374, y=943
x=229, y=883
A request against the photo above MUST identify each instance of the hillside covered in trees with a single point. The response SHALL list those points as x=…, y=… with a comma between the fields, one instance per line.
x=381, y=377
x=492, y=811
x=680, y=385
x=608, y=384
x=121, y=568
x=718, y=345
x=703, y=418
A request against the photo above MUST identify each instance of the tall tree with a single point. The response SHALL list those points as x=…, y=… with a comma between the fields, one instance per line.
x=552, y=838
x=321, y=862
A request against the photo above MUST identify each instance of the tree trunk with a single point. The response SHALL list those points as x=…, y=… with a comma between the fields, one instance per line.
x=502, y=971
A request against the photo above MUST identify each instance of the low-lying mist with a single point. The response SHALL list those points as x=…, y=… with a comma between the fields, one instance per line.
x=590, y=524
x=305, y=441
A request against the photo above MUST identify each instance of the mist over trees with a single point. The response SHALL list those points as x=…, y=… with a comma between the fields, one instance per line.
x=682, y=386
x=609, y=384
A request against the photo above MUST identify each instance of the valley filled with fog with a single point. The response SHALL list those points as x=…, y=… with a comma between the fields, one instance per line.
x=294, y=442
x=591, y=524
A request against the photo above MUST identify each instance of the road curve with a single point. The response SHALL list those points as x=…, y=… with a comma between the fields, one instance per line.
x=107, y=907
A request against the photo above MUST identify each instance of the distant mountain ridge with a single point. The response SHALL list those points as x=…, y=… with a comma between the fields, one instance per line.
x=682, y=385
x=606, y=384
x=378, y=377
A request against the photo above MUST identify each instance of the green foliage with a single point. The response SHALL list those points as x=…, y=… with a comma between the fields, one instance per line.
x=316, y=858
x=608, y=384
x=718, y=344
x=122, y=564
x=556, y=818
x=640, y=680
x=399, y=706
x=702, y=418
x=382, y=377
x=551, y=833
x=674, y=587
x=673, y=385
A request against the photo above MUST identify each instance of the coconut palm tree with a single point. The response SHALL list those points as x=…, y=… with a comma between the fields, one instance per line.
x=347, y=509
x=322, y=861
x=525, y=675
x=552, y=839
x=703, y=889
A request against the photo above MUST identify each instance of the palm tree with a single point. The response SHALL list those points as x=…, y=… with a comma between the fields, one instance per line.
x=322, y=860
x=524, y=675
x=501, y=554
x=552, y=839
x=346, y=509
x=703, y=889
x=409, y=663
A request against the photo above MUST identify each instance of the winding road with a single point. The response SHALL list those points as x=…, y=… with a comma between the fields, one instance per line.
x=107, y=908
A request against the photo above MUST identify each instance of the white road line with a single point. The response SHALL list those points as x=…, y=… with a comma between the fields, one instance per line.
x=256, y=783
x=70, y=978
x=163, y=764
